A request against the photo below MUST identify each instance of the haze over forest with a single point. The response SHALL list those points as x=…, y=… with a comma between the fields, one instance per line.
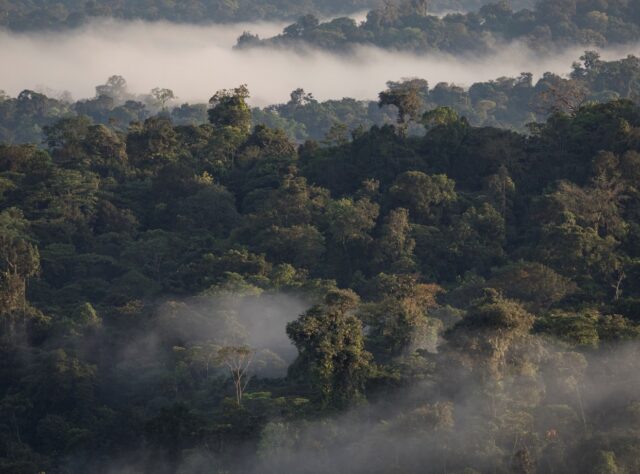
x=320, y=236
x=158, y=54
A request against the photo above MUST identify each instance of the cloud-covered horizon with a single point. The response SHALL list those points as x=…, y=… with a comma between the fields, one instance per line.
x=195, y=61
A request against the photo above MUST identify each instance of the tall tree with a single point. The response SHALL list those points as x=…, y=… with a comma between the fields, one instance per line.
x=331, y=359
x=237, y=359
x=408, y=96
x=229, y=108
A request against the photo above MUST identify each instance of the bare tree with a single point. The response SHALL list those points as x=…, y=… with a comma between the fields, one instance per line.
x=237, y=359
x=617, y=285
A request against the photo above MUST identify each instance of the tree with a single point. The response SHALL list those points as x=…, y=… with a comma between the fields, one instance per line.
x=106, y=152
x=229, y=108
x=597, y=206
x=440, y=116
x=300, y=98
x=69, y=202
x=395, y=247
x=490, y=337
x=115, y=87
x=154, y=253
x=535, y=285
x=301, y=27
x=337, y=135
x=557, y=95
x=19, y=261
x=82, y=321
x=162, y=96
x=331, y=359
x=590, y=62
x=502, y=188
x=65, y=140
x=408, y=96
x=423, y=195
x=397, y=323
x=152, y=145
x=247, y=40
x=476, y=239
x=212, y=207
x=351, y=221
x=238, y=360
x=300, y=245
x=578, y=252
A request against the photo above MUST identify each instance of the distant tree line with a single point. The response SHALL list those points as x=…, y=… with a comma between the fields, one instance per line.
x=26, y=15
x=408, y=26
x=510, y=103
x=62, y=14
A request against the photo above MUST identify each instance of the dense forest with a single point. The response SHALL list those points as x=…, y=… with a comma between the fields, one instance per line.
x=444, y=280
x=61, y=14
x=510, y=103
x=215, y=297
x=409, y=26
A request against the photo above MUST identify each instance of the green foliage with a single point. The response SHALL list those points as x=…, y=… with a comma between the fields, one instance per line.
x=423, y=195
x=578, y=330
x=406, y=25
x=395, y=248
x=229, y=109
x=508, y=102
x=332, y=359
x=408, y=97
x=489, y=337
x=606, y=463
x=31, y=15
x=398, y=323
x=534, y=284
x=488, y=309
x=350, y=221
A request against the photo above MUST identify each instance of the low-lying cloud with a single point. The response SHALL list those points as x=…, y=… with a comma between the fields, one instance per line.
x=195, y=61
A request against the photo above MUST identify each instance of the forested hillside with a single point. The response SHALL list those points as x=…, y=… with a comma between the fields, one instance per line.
x=408, y=26
x=60, y=14
x=214, y=297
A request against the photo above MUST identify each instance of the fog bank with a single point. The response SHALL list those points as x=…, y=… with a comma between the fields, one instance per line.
x=195, y=61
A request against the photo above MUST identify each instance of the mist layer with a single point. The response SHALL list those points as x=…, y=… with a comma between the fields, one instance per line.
x=195, y=61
